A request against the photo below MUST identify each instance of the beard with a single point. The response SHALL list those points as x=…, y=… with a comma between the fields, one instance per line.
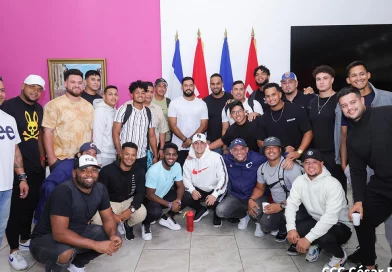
x=188, y=94
x=83, y=184
x=218, y=92
x=166, y=162
x=28, y=98
x=262, y=83
x=70, y=91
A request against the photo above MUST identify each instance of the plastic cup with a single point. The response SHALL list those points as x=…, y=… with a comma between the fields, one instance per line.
x=356, y=219
x=264, y=204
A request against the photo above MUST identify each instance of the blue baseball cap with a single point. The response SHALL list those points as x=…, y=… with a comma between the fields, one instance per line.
x=238, y=141
x=88, y=146
x=288, y=75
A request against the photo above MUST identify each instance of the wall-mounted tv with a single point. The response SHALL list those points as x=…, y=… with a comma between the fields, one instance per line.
x=339, y=45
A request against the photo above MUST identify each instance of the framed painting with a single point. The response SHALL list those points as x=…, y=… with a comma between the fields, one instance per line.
x=57, y=67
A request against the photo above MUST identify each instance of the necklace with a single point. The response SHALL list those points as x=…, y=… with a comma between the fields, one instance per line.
x=276, y=169
x=320, y=108
x=279, y=116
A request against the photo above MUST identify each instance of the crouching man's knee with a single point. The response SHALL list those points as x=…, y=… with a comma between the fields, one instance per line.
x=66, y=256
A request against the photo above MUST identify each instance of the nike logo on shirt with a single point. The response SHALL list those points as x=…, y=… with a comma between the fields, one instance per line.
x=195, y=172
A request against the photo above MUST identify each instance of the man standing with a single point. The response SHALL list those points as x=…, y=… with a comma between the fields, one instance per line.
x=289, y=85
x=162, y=101
x=188, y=115
x=262, y=76
x=323, y=198
x=368, y=144
x=134, y=123
x=279, y=181
x=215, y=102
x=321, y=112
x=92, y=81
x=2, y=92
x=205, y=177
x=63, y=235
x=286, y=121
x=160, y=194
x=28, y=116
x=125, y=182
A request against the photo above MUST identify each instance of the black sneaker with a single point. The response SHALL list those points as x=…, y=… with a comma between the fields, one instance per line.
x=128, y=232
x=361, y=268
x=200, y=214
x=217, y=221
x=390, y=263
x=281, y=236
x=355, y=258
x=292, y=251
x=233, y=220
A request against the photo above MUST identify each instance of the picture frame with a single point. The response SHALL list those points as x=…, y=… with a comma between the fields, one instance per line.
x=56, y=68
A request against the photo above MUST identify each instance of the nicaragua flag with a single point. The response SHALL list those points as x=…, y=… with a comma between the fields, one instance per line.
x=225, y=67
x=176, y=74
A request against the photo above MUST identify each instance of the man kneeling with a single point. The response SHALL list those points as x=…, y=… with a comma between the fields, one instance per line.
x=63, y=236
x=324, y=199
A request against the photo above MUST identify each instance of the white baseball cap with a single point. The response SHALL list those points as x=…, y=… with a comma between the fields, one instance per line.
x=199, y=137
x=35, y=80
x=85, y=161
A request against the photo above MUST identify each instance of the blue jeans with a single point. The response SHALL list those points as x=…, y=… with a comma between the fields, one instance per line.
x=5, y=205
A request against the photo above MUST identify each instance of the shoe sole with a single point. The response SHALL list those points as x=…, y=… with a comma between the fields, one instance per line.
x=259, y=235
x=274, y=233
x=281, y=241
x=204, y=214
x=147, y=239
x=217, y=226
x=312, y=261
x=20, y=269
x=293, y=253
x=24, y=248
x=163, y=223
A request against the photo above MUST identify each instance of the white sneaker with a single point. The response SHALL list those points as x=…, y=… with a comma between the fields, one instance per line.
x=335, y=263
x=17, y=261
x=121, y=228
x=258, y=231
x=24, y=246
x=73, y=268
x=243, y=224
x=313, y=253
x=274, y=232
x=169, y=223
x=146, y=233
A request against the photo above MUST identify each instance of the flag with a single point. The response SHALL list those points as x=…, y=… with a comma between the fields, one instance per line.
x=225, y=67
x=250, y=83
x=199, y=71
x=176, y=74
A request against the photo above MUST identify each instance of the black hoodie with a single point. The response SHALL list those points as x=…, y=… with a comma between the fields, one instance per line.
x=122, y=185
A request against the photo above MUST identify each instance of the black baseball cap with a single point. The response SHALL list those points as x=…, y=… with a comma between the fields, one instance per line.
x=271, y=141
x=312, y=154
x=160, y=80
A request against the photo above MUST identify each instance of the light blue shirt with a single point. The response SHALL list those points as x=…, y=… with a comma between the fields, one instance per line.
x=161, y=180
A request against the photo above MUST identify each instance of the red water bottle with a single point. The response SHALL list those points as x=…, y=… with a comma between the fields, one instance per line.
x=190, y=216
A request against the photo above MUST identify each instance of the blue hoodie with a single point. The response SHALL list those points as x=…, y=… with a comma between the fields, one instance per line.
x=243, y=175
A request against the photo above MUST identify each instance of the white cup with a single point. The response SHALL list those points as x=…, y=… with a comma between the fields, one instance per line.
x=356, y=219
x=264, y=204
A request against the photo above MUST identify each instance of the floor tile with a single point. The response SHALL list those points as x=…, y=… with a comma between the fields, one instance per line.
x=214, y=260
x=246, y=239
x=205, y=227
x=383, y=242
x=5, y=266
x=172, y=240
x=305, y=266
x=214, y=241
x=37, y=267
x=163, y=260
x=266, y=260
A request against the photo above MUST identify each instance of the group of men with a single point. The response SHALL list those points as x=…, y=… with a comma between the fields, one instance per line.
x=236, y=155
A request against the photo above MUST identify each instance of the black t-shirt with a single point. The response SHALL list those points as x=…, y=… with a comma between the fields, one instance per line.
x=68, y=201
x=28, y=119
x=249, y=131
x=90, y=98
x=260, y=97
x=300, y=99
x=290, y=125
x=215, y=107
x=323, y=123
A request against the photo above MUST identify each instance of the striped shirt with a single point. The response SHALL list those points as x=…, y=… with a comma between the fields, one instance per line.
x=135, y=130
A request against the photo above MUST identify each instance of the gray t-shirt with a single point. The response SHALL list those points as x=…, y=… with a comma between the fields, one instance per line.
x=272, y=174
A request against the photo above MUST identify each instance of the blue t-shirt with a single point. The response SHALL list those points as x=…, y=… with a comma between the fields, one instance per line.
x=161, y=180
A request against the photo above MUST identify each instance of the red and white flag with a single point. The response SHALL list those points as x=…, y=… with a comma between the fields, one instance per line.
x=199, y=71
x=250, y=83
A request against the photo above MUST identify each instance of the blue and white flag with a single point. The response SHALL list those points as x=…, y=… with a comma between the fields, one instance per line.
x=225, y=68
x=176, y=74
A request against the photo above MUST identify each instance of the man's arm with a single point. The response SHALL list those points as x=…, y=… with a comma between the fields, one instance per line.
x=358, y=174
x=116, y=130
x=306, y=139
x=180, y=190
x=216, y=144
x=150, y=194
x=41, y=148
x=258, y=191
x=293, y=203
x=221, y=176
x=225, y=126
x=153, y=142
x=48, y=144
x=108, y=222
x=343, y=146
x=19, y=169
x=140, y=191
x=176, y=131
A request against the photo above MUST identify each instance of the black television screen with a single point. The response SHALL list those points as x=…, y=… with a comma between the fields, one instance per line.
x=338, y=46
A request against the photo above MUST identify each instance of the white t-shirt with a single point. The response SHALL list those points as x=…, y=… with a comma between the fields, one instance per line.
x=256, y=106
x=189, y=114
x=9, y=137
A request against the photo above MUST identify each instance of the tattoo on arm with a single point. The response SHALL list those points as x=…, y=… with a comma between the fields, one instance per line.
x=18, y=159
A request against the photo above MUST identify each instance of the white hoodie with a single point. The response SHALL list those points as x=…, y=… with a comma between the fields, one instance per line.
x=102, y=129
x=208, y=173
x=323, y=198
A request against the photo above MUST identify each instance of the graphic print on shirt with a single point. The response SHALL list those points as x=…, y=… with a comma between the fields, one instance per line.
x=32, y=127
x=195, y=172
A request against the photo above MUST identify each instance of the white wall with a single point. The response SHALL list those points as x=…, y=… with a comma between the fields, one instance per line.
x=271, y=21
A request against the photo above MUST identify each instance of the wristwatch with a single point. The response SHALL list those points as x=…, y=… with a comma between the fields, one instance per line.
x=283, y=206
x=22, y=177
x=299, y=151
x=133, y=209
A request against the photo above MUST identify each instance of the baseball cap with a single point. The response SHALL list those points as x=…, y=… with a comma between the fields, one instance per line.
x=86, y=161
x=312, y=154
x=238, y=141
x=288, y=75
x=271, y=141
x=199, y=137
x=160, y=80
x=88, y=146
x=35, y=80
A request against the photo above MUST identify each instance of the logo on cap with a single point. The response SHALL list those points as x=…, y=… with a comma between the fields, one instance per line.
x=270, y=139
x=93, y=145
x=310, y=153
x=287, y=74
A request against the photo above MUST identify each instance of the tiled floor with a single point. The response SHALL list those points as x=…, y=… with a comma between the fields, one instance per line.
x=207, y=249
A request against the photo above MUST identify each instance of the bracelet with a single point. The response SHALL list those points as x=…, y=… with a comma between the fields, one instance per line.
x=22, y=177
x=43, y=158
x=160, y=148
x=185, y=140
x=170, y=205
